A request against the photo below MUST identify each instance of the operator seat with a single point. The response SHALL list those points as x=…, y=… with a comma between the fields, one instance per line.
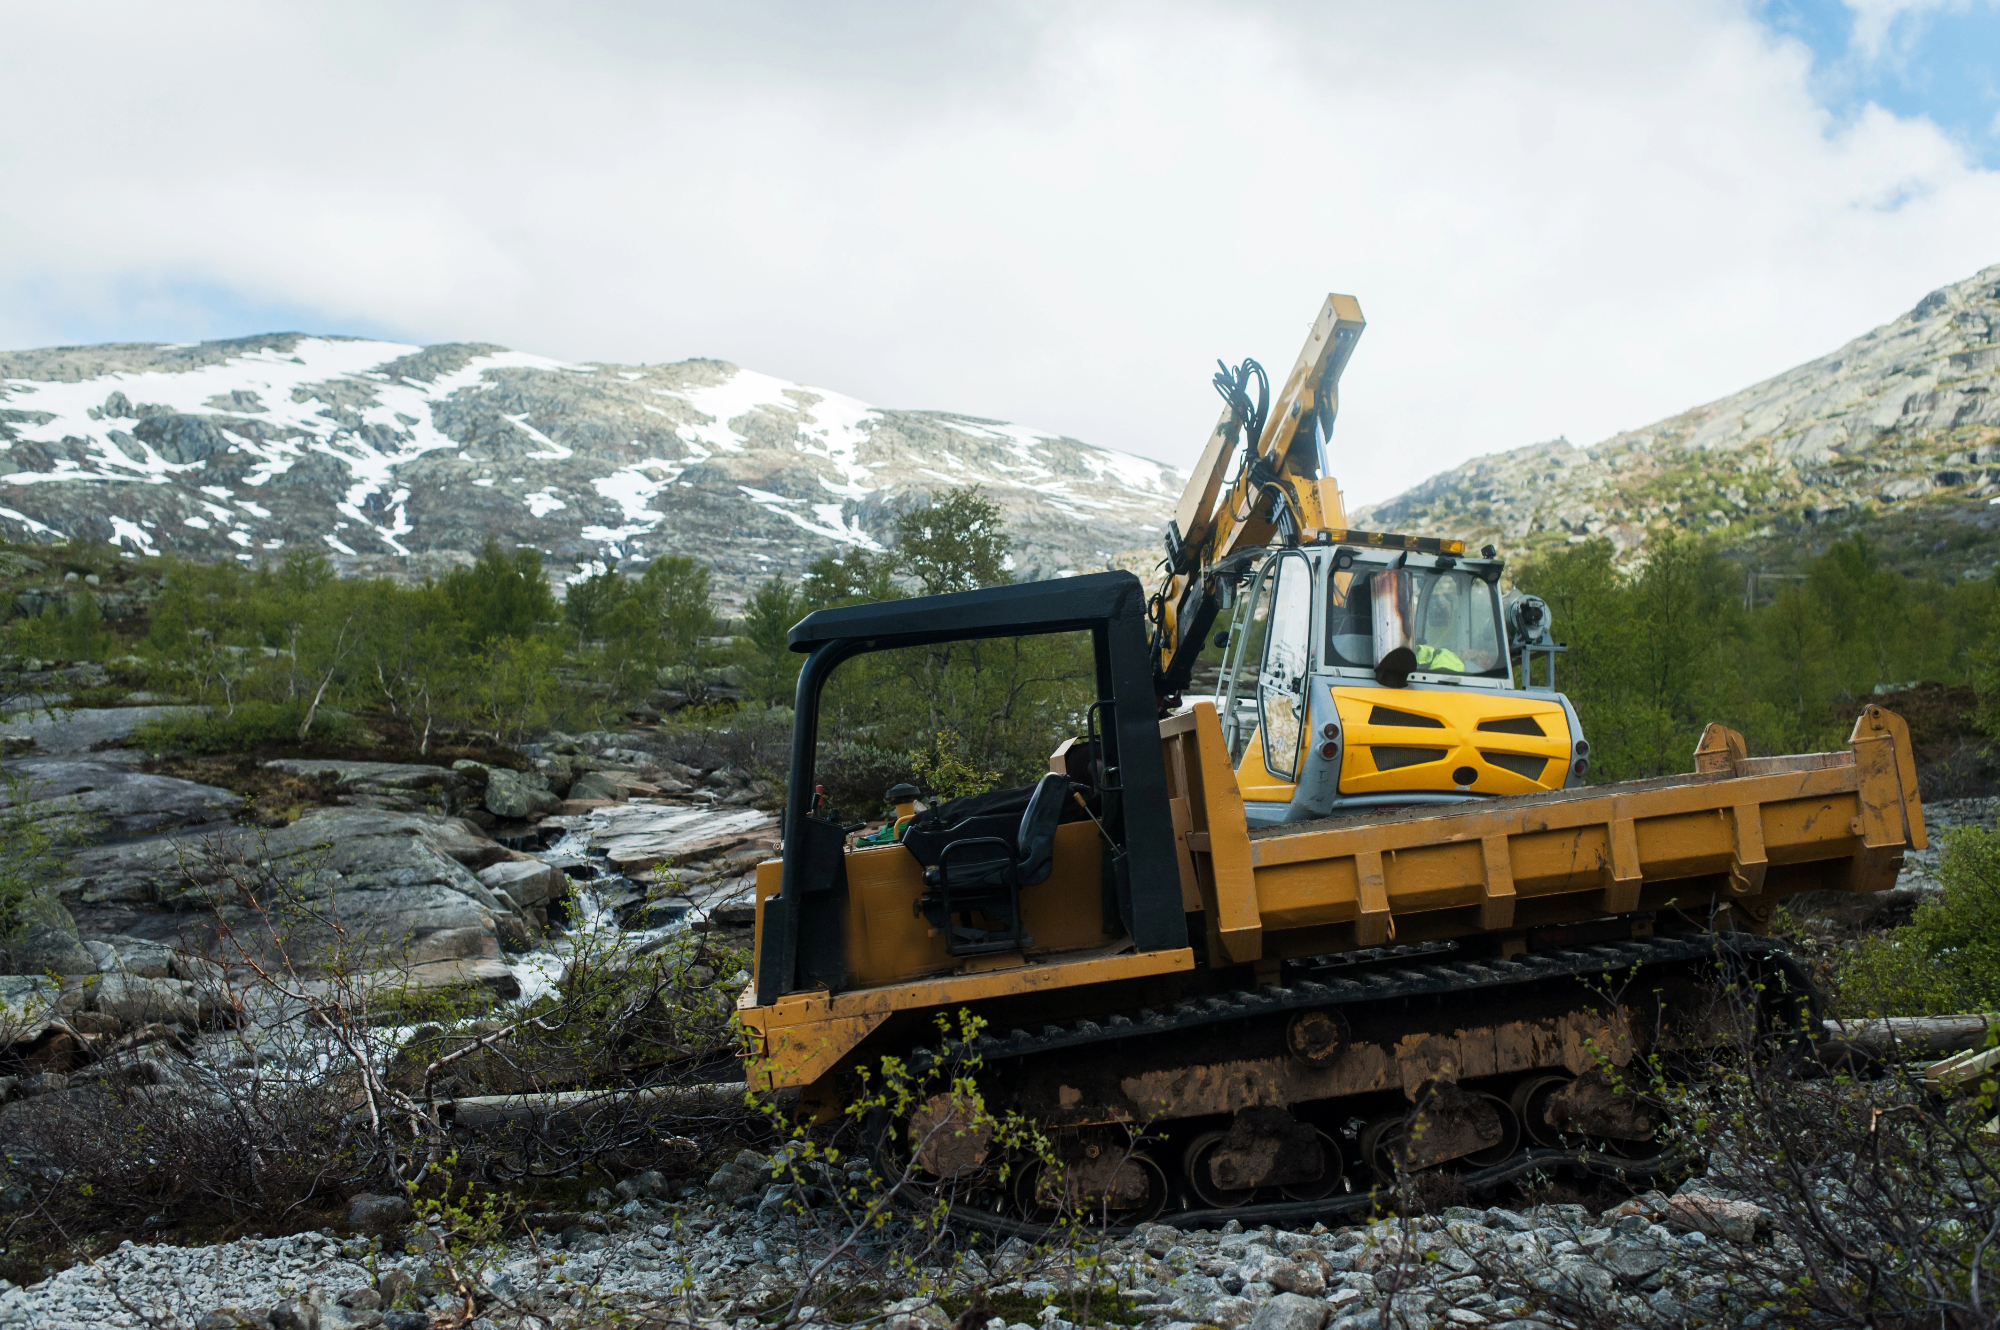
x=975, y=868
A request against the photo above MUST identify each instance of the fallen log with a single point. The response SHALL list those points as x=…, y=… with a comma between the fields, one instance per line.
x=483, y=1112
x=1913, y=1036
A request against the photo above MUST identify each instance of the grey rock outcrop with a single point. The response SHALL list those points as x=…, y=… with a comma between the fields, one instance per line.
x=47, y=941
x=83, y=730
x=104, y=798
x=391, y=878
x=516, y=794
x=1904, y=418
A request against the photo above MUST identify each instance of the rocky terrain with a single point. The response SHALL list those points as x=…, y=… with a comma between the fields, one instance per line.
x=404, y=855
x=741, y=1245
x=1896, y=434
x=403, y=458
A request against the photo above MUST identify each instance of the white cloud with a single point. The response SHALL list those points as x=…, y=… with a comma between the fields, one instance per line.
x=1559, y=218
x=1876, y=20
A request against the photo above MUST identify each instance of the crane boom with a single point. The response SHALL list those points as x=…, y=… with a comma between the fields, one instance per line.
x=1281, y=488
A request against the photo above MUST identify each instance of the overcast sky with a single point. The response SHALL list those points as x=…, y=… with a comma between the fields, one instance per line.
x=1559, y=218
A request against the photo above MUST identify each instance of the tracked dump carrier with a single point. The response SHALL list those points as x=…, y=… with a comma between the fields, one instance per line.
x=1216, y=1016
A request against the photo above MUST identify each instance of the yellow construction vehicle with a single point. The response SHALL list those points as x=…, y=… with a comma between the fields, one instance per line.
x=1246, y=955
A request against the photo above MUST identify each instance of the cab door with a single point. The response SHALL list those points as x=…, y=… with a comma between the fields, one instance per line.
x=1287, y=663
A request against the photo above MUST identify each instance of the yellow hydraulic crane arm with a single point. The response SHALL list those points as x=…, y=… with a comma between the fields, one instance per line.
x=1280, y=488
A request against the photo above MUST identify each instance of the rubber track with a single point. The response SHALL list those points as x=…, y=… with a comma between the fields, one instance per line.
x=1414, y=980
x=1382, y=975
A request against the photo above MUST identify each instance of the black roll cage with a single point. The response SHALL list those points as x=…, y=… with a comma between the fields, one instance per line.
x=1112, y=607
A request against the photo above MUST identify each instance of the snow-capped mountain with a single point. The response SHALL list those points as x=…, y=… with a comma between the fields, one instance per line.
x=389, y=456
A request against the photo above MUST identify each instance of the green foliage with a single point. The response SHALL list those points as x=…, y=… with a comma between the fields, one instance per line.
x=958, y=543
x=248, y=728
x=31, y=856
x=655, y=627
x=771, y=668
x=1947, y=958
x=1660, y=649
x=502, y=595
x=516, y=692
x=945, y=769
x=920, y=1111
x=72, y=630
x=587, y=602
x=1005, y=703
x=481, y=651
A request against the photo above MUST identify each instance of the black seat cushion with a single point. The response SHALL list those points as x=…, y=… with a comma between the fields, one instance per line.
x=996, y=813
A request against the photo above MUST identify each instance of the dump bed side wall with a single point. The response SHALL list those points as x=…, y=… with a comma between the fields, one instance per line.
x=1741, y=836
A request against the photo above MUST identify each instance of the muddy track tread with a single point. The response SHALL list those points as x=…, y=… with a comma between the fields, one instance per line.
x=1435, y=979
x=1333, y=1207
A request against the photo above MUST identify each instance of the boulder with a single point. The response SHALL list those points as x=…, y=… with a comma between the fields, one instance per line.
x=47, y=942
x=1716, y=1216
x=370, y=1213
x=133, y=1000
x=527, y=881
x=748, y=1172
x=102, y=798
x=458, y=839
x=1577, y=1278
x=652, y=1183
x=1632, y=1260
x=40, y=1083
x=597, y=786
x=640, y=836
x=516, y=794
x=137, y=956
x=295, y=1314
x=28, y=1004
x=1290, y=1311
x=1301, y=1277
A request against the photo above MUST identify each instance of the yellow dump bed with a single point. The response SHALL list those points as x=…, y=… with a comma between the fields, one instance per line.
x=1736, y=835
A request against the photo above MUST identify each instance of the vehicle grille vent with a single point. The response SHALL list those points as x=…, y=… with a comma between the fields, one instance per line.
x=1389, y=759
x=1514, y=725
x=1389, y=716
x=1519, y=764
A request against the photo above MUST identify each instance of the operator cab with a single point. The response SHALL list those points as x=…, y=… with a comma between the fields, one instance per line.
x=1372, y=672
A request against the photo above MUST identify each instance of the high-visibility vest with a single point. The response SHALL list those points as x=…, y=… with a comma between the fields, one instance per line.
x=1429, y=658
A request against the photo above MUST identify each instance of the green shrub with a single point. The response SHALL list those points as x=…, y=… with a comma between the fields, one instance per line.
x=253, y=725
x=1947, y=958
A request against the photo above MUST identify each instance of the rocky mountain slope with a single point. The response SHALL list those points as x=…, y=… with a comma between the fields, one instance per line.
x=401, y=457
x=1896, y=434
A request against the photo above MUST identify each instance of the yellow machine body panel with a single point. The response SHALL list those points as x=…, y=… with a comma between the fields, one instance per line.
x=1397, y=739
x=887, y=940
x=1254, y=779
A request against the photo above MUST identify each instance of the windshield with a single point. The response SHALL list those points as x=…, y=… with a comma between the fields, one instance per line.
x=1452, y=620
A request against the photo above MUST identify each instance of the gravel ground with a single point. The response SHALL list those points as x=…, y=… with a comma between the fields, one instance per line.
x=713, y=1262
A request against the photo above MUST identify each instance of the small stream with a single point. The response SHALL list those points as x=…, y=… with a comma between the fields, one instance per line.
x=589, y=916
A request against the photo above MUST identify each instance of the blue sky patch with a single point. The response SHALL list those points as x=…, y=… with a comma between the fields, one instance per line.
x=1941, y=62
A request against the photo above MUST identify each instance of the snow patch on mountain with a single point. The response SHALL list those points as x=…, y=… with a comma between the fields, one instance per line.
x=387, y=451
